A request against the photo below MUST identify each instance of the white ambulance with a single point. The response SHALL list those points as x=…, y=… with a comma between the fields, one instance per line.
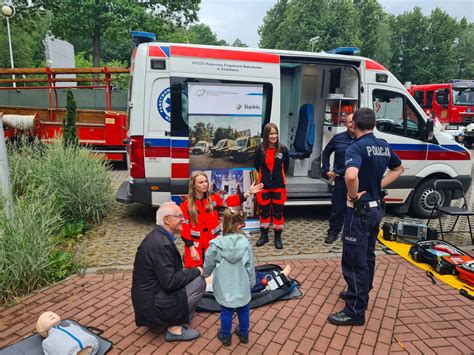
x=321, y=83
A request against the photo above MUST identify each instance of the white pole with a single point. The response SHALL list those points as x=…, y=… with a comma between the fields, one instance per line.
x=5, y=187
x=11, y=51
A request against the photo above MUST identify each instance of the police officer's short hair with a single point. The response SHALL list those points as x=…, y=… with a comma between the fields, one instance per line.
x=364, y=118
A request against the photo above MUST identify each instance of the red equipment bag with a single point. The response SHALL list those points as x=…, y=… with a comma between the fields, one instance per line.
x=444, y=257
x=466, y=272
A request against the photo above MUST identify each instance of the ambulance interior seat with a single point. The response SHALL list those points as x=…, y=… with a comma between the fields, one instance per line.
x=304, y=138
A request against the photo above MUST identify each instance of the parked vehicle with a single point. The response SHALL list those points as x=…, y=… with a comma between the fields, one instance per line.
x=222, y=148
x=201, y=147
x=243, y=149
x=102, y=130
x=159, y=150
x=451, y=103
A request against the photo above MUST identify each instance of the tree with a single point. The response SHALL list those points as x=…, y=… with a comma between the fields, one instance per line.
x=271, y=31
x=69, y=122
x=238, y=43
x=465, y=51
x=374, y=30
x=110, y=21
x=291, y=25
x=443, y=32
x=196, y=34
x=409, y=46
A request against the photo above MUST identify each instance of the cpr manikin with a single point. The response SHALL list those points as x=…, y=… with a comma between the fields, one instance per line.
x=66, y=338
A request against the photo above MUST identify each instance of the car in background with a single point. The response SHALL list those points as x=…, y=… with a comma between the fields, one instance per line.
x=222, y=148
x=201, y=147
x=243, y=149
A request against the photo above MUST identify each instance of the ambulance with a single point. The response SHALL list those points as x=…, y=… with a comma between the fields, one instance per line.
x=302, y=93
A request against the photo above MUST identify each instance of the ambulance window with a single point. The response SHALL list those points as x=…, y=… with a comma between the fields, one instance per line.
x=429, y=99
x=419, y=97
x=396, y=115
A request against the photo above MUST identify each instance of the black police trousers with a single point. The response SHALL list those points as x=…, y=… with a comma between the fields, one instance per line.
x=358, y=257
x=338, y=201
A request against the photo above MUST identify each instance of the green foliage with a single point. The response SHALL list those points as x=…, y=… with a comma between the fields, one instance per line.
x=238, y=43
x=79, y=180
x=106, y=24
x=413, y=46
x=27, y=240
x=58, y=192
x=222, y=133
x=69, y=122
x=196, y=34
x=74, y=229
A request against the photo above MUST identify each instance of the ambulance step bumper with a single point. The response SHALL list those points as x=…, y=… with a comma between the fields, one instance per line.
x=123, y=195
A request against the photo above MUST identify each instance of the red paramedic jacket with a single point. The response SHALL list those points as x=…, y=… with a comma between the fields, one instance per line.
x=207, y=227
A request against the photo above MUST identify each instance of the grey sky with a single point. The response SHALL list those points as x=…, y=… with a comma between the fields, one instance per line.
x=231, y=19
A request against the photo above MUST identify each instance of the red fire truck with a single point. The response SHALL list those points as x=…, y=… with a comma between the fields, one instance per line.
x=102, y=130
x=452, y=104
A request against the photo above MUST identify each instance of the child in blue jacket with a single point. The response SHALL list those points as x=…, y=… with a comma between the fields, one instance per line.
x=230, y=257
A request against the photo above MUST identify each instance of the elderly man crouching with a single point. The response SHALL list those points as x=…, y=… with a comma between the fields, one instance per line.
x=164, y=296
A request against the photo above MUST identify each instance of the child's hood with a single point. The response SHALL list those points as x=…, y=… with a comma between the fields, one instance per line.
x=232, y=246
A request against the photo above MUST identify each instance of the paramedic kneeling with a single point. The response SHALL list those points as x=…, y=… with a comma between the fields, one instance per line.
x=367, y=159
x=164, y=296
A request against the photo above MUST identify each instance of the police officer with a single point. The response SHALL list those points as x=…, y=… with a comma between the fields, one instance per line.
x=337, y=145
x=367, y=159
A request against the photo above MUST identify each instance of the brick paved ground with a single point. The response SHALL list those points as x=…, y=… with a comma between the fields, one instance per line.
x=407, y=314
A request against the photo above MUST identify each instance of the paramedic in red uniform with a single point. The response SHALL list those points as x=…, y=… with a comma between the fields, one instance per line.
x=271, y=162
x=201, y=217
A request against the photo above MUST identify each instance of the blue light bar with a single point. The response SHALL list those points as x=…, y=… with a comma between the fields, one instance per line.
x=139, y=37
x=345, y=50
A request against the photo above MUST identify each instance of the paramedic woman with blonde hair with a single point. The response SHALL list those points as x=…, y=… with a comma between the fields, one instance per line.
x=201, y=217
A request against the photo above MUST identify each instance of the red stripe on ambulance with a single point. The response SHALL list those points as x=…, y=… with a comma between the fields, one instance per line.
x=155, y=152
x=155, y=51
x=373, y=65
x=180, y=170
x=224, y=54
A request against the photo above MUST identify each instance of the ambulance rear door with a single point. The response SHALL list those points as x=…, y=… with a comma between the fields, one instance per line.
x=157, y=123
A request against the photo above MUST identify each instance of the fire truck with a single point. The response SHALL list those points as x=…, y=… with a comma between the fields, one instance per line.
x=452, y=104
x=102, y=130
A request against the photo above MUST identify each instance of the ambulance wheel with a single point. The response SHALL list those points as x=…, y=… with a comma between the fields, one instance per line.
x=424, y=199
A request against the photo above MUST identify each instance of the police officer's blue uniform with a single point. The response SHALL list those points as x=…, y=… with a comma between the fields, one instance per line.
x=337, y=145
x=372, y=157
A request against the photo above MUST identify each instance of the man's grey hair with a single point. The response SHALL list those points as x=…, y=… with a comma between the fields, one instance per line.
x=165, y=209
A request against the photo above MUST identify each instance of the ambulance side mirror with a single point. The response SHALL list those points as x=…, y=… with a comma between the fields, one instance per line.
x=427, y=134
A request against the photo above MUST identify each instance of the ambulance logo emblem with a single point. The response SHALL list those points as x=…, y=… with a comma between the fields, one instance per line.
x=164, y=104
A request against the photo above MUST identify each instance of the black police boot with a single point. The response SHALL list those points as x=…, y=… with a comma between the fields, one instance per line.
x=331, y=238
x=343, y=295
x=263, y=237
x=340, y=318
x=278, y=243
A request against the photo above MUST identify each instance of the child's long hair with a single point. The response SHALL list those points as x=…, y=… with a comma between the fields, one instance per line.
x=193, y=213
x=266, y=133
x=233, y=221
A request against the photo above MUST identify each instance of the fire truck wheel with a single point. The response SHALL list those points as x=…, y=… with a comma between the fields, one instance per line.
x=424, y=199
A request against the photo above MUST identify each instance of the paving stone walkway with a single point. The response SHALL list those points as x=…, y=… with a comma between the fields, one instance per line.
x=115, y=241
x=407, y=314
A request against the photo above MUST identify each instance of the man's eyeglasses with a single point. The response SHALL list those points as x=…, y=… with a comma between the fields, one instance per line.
x=180, y=216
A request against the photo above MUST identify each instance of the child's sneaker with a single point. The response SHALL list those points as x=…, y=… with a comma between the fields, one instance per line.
x=244, y=338
x=226, y=340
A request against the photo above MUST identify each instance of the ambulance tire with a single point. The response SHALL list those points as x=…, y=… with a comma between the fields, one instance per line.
x=423, y=199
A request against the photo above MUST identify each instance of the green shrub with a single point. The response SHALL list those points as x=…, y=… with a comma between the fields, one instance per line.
x=27, y=240
x=79, y=179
